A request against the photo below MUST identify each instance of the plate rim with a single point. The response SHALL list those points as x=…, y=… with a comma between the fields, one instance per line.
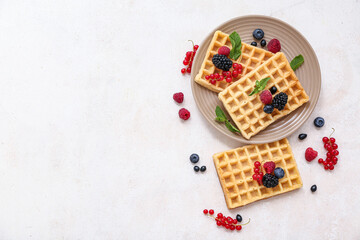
x=240, y=138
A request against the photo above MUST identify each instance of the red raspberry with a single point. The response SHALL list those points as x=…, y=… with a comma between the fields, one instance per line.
x=310, y=154
x=184, y=114
x=274, y=45
x=224, y=50
x=266, y=97
x=178, y=97
x=269, y=167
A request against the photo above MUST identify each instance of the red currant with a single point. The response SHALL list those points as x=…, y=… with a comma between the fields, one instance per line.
x=261, y=175
x=196, y=47
x=327, y=159
x=207, y=77
x=335, y=159
x=188, y=69
x=320, y=160
x=334, y=146
x=336, y=152
x=218, y=223
x=188, y=54
x=238, y=227
x=228, y=79
x=240, y=68
x=326, y=167
x=183, y=70
x=224, y=73
x=205, y=211
x=220, y=215
x=216, y=75
x=227, y=226
x=328, y=148
x=211, y=212
x=185, y=62
x=212, y=76
x=232, y=227
x=254, y=176
x=212, y=81
x=328, y=154
x=325, y=140
x=221, y=78
x=228, y=74
x=256, y=170
x=235, y=65
x=235, y=73
x=257, y=164
x=326, y=145
x=331, y=167
x=332, y=140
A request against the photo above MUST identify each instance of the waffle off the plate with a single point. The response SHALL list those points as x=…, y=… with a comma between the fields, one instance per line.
x=235, y=169
x=250, y=58
x=247, y=111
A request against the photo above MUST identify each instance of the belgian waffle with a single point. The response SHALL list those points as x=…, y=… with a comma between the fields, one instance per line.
x=250, y=58
x=247, y=111
x=235, y=169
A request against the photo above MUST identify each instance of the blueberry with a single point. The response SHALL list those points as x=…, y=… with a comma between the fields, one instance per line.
x=238, y=218
x=196, y=168
x=258, y=34
x=273, y=90
x=313, y=188
x=302, y=136
x=194, y=158
x=254, y=44
x=263, y=43
x=203, y=169
x=279, y=172
x=319, y=122
x=268, y=108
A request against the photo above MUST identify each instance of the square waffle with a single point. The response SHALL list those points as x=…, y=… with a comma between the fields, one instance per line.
x=250, y=58
x=247, y=111
x=235, y=169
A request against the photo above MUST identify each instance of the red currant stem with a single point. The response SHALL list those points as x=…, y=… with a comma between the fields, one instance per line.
x=235, y=224
x=333, y=130
x=192, y=43
x=192, y=52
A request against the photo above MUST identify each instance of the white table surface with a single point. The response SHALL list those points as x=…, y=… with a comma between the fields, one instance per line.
x=91, y=143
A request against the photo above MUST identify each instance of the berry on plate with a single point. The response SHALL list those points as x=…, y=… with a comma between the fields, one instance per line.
x=269, y=166
x=258, y=33
x=266, y=97
x=263, y=43
x=280, y=101
x=279, y=172
x=184, y=114
x=274, y=45
x=270, y=181
x=254, y=44
x=224, y=50
x=222, y=62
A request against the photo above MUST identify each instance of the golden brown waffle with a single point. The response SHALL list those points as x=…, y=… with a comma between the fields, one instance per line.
x=235, y=169
x=247, y=111
x=250, y=58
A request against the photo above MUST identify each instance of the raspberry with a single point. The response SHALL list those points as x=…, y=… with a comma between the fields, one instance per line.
x=310, y=154
x=184, y=114
x=274, y=45
x=178, y=97
x=269, y=167
x=266, y=97
x=224, y=50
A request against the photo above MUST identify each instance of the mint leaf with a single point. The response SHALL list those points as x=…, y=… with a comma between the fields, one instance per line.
x=235, y=40
x=220, y=115
x=220, y=119
x=231, y=127
x=296, y=62
x=259, y=86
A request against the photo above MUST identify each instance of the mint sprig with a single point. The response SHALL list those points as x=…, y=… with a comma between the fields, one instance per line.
x=259, y=85
x=296, y=62
x=235, y=40
x=221, y=117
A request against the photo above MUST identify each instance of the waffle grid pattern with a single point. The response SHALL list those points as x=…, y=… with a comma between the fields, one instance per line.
x=235, y=170
x=250, y=58
x=247, y=111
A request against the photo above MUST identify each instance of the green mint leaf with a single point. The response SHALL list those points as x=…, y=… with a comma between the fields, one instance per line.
x=231, y=127
x=220, y=113
x=235, y=40
x=296, y=62
x=259, y=86
x=218, y=119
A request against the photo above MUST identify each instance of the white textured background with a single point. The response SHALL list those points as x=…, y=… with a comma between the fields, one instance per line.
x=91, y=146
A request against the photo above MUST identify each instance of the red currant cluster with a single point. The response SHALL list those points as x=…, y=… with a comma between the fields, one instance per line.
x=332, y=153
x=227, y=75
x=226, y=222
x=258, y=174
x=189, y=57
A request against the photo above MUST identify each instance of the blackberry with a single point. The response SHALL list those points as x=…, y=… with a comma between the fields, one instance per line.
x=222, y=62
x=280, y=101
x=270, y=181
